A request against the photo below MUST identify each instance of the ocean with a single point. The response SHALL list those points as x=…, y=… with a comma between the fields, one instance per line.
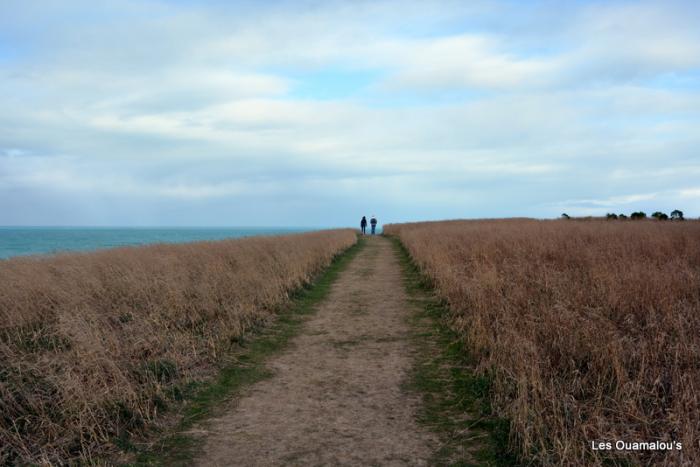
x=18, y=241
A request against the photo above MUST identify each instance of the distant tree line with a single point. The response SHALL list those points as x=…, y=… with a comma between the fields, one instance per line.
x=676, y=215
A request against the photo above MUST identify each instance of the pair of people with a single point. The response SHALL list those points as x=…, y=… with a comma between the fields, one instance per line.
x=372, y=222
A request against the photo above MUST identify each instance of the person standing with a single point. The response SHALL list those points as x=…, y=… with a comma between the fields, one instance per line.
x=374, y=224
x=363, y=224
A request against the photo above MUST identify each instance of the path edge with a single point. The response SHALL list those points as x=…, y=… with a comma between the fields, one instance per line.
x=454, y=399
x=179, y=445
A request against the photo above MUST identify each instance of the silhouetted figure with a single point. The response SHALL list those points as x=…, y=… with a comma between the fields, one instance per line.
x=363, y=225
x=373, y=221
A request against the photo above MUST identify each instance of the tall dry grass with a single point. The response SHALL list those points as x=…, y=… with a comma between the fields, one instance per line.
x=91, y=344
x=589, y=330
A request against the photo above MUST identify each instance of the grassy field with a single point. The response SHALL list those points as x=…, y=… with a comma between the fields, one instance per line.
x=94, y=345
x=588, y=330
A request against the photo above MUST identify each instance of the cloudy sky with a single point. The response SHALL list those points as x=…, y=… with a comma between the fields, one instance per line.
x=303, y=113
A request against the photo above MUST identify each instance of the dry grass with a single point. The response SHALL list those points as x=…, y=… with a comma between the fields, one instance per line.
x=91, y=344
x=590, y=330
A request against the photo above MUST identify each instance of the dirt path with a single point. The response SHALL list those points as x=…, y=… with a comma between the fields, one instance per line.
x=336, y=396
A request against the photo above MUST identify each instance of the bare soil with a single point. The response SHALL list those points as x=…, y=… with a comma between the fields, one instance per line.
x=337, y=394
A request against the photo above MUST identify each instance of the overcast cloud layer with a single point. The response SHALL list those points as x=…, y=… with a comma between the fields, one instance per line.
x=315, y=113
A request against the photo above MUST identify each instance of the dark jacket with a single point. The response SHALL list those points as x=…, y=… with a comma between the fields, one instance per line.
x=363, y=222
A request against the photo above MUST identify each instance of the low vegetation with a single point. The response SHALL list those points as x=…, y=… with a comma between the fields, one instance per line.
x=676, y=215
x=588, y=331
x=94, y=345
x=454, y=402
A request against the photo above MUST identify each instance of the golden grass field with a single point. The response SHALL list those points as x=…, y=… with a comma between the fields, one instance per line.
x=92, y=343
x=589, y=330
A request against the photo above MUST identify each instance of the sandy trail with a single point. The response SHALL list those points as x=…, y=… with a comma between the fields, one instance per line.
x=336, y=396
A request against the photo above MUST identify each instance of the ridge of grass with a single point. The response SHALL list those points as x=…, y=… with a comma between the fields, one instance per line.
x=455, y=400
x=179, y=446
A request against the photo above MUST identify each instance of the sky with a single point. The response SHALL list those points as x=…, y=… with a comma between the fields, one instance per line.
x=304, y=113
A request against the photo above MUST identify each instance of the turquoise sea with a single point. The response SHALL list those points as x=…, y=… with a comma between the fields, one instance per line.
x=16, y=241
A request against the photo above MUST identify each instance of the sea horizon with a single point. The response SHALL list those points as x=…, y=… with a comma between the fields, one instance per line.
x=46, y=240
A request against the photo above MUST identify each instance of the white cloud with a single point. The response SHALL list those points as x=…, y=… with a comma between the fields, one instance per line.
x=690, y=193
x=462, y=61
x=611, y=201
x=454, y=103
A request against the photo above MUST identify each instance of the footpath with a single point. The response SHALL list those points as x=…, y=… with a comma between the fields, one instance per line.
x=338, y=393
